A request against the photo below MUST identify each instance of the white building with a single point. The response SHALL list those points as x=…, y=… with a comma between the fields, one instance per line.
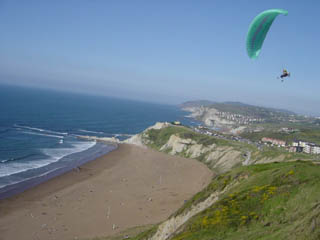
x=295, y=144
x=307, y=148
x=315, y=149
x=303, y=144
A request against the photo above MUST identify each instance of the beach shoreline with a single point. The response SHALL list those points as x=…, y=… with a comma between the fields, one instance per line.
x=55, y=169
x=127, y=187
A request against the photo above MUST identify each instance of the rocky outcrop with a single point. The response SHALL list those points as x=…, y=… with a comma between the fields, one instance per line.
x=135, y=140
x=209, y=116
x=222, y=158
x=178, y=145
x=159, y=125
x=188, y=146
x=197, y=150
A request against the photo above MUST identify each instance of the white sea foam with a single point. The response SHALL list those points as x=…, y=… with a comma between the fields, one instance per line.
x=25, y=179
x=112, y=134
x=40, y=129
x=54, y=155
x=16, y=166
x=4, y=160
x=31, y=128
x=87, y=131
x=43, y=134
x=123, y=135
x=58, y=153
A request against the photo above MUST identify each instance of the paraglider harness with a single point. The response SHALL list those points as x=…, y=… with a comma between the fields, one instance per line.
x=284, y=74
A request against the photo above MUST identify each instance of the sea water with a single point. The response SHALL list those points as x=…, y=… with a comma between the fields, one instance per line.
x=39, y=131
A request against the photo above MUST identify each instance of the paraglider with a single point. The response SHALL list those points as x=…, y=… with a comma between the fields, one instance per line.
x=284, y=74
x=257, y=33
x=258, y=30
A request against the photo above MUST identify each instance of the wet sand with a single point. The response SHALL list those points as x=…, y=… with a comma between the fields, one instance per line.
x=128, y=187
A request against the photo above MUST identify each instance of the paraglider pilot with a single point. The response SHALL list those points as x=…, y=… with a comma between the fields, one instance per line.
x=284, y=74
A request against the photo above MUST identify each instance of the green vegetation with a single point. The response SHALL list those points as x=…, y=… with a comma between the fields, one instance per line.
x=158, y=138
x=278, y=200
x=265, y=201
x=305, y=134
x=218, y=184
x=280, y=154
x=272, y=201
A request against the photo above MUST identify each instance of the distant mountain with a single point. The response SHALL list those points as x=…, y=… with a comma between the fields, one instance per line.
x=196, y=103
x=272, y=109
x=238, y=108
x=235, y=117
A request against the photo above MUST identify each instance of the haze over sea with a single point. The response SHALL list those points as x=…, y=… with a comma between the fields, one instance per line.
x=39, y=129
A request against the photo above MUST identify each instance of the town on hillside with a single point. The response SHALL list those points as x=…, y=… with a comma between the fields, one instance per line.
x=239, y=118
x=295, y=146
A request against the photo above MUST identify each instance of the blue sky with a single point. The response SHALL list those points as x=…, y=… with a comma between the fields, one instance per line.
x=163, y=51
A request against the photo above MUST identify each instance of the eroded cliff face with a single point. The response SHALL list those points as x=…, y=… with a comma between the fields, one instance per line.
x=217, y=157
x=221, y=158
x=209, y=116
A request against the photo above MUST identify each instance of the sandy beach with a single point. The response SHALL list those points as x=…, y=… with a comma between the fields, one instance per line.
x=128, y=187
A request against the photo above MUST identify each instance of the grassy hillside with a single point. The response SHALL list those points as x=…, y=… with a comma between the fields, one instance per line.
x=224, y=149
x=157, y=138
x=277, y=200
x=306, y=134
x=271, y=201
x=160, y=137
x=266, y=201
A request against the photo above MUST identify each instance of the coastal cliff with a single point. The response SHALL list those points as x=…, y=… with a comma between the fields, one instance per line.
x=245, y=199
x=215, y=153
x=237, y=117
x=267, y=201
x=209, y=116
x=219, y=155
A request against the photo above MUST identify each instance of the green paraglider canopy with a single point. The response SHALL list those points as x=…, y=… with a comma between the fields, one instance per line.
x=258, y=30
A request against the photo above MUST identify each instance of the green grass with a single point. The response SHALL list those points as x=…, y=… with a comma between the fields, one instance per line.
x=265, y=201
x=271, y=201
x=305, y=134
x=274, y=152
x=159, y=137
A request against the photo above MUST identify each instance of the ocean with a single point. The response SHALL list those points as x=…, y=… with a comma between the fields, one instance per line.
x=39, y=131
